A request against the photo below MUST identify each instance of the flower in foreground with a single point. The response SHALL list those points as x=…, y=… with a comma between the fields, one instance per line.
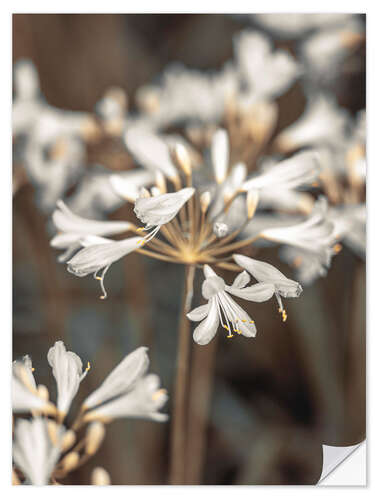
x=127, y=392
x=266, y=273
x=34, y=453
x=67, y=370
x=221, y=308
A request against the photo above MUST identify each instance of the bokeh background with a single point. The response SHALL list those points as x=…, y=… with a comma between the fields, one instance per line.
x=276, y=398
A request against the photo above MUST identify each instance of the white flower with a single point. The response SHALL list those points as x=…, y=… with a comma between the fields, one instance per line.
x=315, y=235
x=266, y=273
x=143, y=401
x=67, y=370
x=267, y=74
x=121, y=378
x=157, y=210
x=127, y=392
x=150, y=151
x=188, y=95
x=33, y=451
x=25, y=396
x=99, y=257
x=322, y=122
x=221, y=308
x=301, y=169
x=220, y=154
x=292, y=25
x=73, y=228
x=129, y=183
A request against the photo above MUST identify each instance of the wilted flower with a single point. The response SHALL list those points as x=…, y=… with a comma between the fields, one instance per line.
x=268, y=274
x=221, y=308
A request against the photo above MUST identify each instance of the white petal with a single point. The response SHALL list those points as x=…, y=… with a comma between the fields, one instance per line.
x=198, y=313
x=207, y=329
x=128, y=184
x=131, y=368
x=241, y=280
x=255, y=293
x=220, y=155
x=67, y=370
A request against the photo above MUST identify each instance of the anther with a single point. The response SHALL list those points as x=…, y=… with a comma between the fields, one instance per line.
x=229, y=336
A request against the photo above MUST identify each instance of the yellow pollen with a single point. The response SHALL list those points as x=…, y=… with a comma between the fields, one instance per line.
x=102, y=297
x=284, y=315
x=244, y=320
x=252, y=322
x=33, y=369
x=99, y=278
x=141, y=242
x=337, y=248
x=88, y=367
x=226, y=327
x=140, y=229
x=158, y=393
x=229, y=336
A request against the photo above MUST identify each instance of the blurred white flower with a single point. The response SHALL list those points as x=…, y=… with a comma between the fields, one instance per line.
x=127, y=392
x=221, y=308
x=67, y=370
x=322, y=123
x=34, y=453
x=72, y=228
x=187, y=95
x=301, y=169
x=267, y=73
x=25, y=395
x=315, y=235
x=266, y=273
x=324, y=51
x=294, y=25
x=128, y=184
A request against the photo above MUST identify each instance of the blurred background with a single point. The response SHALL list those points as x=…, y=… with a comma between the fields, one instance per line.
x=275, y=399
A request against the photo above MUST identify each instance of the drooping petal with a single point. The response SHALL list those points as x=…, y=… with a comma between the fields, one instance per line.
x=95, y=257
x=207, y=329
x=198, y=313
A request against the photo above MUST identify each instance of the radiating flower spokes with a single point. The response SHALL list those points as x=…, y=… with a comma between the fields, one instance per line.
x=221, y=308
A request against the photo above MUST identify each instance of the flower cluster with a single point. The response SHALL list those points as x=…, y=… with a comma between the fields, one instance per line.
x=44, y=449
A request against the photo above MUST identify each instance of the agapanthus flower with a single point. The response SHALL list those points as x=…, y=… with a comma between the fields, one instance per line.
x=73, y=228
x=222, y=309
x=128, y=392
x=322, y=123
x=34, y=452
x=315, y=236
x=266, y=73
x=67, y=370
x=265, y=273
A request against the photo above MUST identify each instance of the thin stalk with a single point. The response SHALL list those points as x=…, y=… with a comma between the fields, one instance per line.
x=178, y=431
x=234, y=246
x=155, y=255
x=199, y=406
